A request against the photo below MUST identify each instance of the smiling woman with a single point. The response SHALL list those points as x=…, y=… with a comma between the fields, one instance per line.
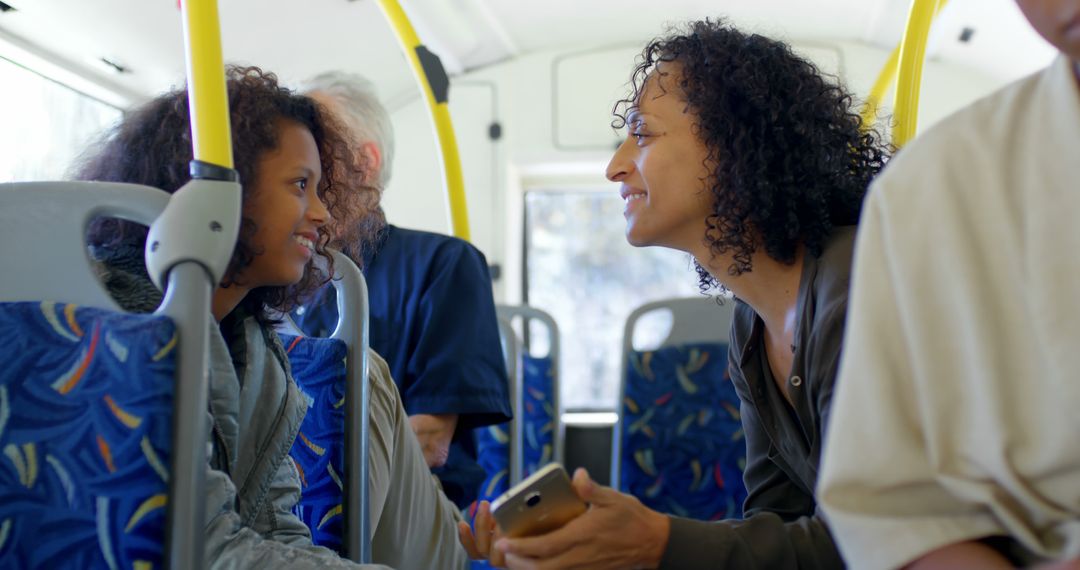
x=742, y=154
x=769, y=144
x=661, y=165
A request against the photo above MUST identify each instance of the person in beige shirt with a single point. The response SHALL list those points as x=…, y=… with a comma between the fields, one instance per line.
x=954, y=440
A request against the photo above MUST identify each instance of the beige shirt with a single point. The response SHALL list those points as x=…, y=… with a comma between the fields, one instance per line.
x=957, y=412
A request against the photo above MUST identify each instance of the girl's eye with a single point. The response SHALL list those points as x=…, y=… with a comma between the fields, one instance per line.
x=301, y=184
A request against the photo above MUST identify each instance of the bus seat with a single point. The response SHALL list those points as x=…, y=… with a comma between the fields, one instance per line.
x=86, y=405
x=102, y=413
x=318, y=366
x=678, y=445
x=543, y=434
x=331, y=449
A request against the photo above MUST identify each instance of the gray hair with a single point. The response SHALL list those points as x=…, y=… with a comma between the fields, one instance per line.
x=360, y=110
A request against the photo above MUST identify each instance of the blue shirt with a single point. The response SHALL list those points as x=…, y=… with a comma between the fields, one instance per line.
x=432, y=317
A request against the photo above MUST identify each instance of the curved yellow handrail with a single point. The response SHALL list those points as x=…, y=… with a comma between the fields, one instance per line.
x=881, y=86
x=207, y=98
x=909, y=77
x=440, y=116
x=885, y=80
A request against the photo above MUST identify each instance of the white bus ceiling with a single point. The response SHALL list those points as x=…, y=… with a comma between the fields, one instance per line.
x=299, y=37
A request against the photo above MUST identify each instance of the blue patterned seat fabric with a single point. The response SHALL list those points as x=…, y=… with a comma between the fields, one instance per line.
x=683, y=451
x=493, y=442
x=318, y=366
x=86, y=400
x=539, y=416
x=493, y=454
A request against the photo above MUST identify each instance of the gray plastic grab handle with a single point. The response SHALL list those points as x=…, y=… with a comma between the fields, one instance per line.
x=201, y=224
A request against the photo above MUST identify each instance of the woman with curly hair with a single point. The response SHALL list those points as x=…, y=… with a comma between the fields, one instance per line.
x=742, y=154
x=295, y=168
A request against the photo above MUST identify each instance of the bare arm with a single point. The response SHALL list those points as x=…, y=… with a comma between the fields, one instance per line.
x=968, y=554
x=435, y=433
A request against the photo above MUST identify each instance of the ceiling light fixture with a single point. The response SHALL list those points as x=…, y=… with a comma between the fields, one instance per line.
x=46, y=64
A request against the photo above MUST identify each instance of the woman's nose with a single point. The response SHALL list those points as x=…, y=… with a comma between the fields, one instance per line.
x=620, y=165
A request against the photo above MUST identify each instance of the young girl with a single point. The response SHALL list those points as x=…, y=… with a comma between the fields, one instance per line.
x=742, y=154
x=295, y=167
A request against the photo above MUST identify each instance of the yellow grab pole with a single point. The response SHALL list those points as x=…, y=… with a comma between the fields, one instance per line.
x=909, y=77
x=885, y=79
x=207, y=98
x=435, y=85
x=881, y=86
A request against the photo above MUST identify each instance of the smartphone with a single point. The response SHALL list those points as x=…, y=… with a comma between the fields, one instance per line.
x=540, y=504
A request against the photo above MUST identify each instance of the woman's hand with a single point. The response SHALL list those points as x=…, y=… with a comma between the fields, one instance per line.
x=616, y=532
x=478, y=546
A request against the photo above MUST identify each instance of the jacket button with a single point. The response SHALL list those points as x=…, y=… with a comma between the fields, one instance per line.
x=796, y=381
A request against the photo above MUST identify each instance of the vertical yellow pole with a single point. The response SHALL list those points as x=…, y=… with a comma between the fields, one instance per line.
x=207, y=97
x=885, y=79
x=433, y=81
x=909, y=78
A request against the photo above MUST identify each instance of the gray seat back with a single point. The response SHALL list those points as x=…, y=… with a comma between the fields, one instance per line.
x=512, y=348
x=528, y=314
x=43, y=250
x=44, y=255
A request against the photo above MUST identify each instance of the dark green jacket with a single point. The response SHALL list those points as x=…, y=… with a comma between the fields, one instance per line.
x=782, y=525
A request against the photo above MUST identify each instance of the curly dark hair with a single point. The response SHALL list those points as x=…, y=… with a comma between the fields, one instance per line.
x=152, y=146
x=788, y=157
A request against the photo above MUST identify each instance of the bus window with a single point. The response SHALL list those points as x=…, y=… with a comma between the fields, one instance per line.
x=581, y=270
x=46, y=125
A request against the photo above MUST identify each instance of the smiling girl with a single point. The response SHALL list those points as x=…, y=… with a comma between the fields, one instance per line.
x=297, y=172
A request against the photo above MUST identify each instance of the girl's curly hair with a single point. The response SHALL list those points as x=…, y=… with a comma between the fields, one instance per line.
x=152, y=146
x=788, y=157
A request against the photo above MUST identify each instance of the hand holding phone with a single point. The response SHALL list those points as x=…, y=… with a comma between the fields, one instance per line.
x=616, y=532
x=540, y=504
